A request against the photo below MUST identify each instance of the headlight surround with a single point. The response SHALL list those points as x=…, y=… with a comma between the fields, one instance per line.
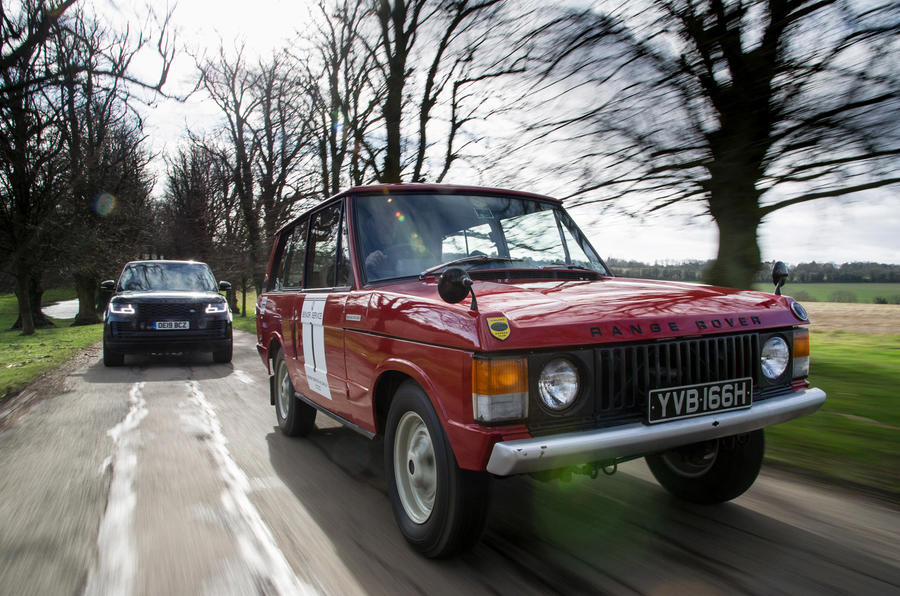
x=121, y=308
x=559, y=384
x=216, y=308
x=774, y=357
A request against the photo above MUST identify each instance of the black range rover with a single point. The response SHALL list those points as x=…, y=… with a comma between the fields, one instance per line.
x=166, y=306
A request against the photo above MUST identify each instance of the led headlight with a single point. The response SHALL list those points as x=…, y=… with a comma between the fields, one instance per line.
x=216, y=307
x=121, y=308
x=558, y=384
x=774, y=357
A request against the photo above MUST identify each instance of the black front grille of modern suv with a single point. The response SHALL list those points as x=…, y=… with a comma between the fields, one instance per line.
x=199, y=329
x=152, y=311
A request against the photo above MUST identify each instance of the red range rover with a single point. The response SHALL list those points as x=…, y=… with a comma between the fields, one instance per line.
x=478, y=332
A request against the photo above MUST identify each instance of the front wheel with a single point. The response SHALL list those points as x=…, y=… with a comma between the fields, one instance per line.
x=295, y=417
x=439, y=507
x=712, y=471
x=112, y=357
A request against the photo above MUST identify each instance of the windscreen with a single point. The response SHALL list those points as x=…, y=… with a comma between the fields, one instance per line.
x=178, y=277
x=403, y=235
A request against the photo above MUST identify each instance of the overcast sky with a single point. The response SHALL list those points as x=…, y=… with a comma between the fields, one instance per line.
x=866, y=228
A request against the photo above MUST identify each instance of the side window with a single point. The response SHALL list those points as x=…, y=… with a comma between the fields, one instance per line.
x=292, y=265
x=344, y=275
x=322, y=261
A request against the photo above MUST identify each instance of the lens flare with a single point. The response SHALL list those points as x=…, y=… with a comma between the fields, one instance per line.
x=104, y=204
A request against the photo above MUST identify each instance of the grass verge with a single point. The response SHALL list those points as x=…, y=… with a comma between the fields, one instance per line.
x=855, y=436
x=23, y=359
x=247, y=323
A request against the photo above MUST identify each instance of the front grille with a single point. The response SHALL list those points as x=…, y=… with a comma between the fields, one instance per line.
x=620, y=377
x=143, y=329
x=625, y=374
x=163, y=310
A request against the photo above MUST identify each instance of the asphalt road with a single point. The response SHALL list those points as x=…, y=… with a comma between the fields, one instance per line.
x=169, y=476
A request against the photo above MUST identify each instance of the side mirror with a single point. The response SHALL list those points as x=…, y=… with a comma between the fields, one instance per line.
x=779, y=276
x=454, y=285
x=109, y=285
x=224, y=286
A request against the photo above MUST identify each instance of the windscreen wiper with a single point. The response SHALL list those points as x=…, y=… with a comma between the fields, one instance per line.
x=569, y=266
x=476, y=259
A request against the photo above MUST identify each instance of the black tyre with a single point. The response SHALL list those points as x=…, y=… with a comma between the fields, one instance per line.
x=112, y=357
x=295, y=418
x=224, y=355
x=713, y=471
x=440, y=508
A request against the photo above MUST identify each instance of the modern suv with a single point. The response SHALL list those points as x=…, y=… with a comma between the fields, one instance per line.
x=166, y=306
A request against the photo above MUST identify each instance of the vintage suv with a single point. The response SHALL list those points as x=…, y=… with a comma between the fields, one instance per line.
x=480, y=334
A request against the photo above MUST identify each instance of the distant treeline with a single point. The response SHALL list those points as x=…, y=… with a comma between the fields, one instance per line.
x=802, y=273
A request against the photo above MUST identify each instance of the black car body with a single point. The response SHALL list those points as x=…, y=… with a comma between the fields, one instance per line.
x=166, y=306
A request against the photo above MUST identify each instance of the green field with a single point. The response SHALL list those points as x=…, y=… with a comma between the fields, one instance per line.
x=856, y=435
x=832, y=292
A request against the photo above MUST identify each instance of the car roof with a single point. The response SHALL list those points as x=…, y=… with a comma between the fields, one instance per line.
x=158, y=261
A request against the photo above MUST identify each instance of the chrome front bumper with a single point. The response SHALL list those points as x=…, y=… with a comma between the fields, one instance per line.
x=609, y=444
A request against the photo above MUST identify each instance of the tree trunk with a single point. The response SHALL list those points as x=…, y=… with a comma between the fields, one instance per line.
x=86, y=284
x=36, y=318
x=243, y=297
x=737, y=217
x=25, y=322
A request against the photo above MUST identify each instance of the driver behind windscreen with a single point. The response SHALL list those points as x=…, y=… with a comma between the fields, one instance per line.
x=379, y=228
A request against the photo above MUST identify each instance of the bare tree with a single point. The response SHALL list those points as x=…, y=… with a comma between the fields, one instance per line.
x=267, y=111
x=345, y=101
x=746, y=107
x=108, y=190
x=35, y=174
x=447, y=42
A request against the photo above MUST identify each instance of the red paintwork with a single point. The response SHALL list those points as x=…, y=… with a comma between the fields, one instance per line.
x=406, y=328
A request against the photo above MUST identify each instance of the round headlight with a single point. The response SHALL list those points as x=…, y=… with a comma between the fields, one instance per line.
x=774, y=358
x=558, y=384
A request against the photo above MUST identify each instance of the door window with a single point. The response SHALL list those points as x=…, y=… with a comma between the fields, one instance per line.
x=291, y=275
x=324, y=234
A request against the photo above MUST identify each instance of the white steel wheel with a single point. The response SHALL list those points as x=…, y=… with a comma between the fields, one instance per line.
x=285, y=389
x=295, y=417
x=440, y=508
x=414, y=462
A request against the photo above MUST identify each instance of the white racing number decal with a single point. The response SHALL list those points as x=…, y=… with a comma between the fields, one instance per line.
x=311, y=317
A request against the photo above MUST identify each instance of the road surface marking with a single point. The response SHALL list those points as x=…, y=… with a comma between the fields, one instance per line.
x=114, y=570
x=255, y=541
